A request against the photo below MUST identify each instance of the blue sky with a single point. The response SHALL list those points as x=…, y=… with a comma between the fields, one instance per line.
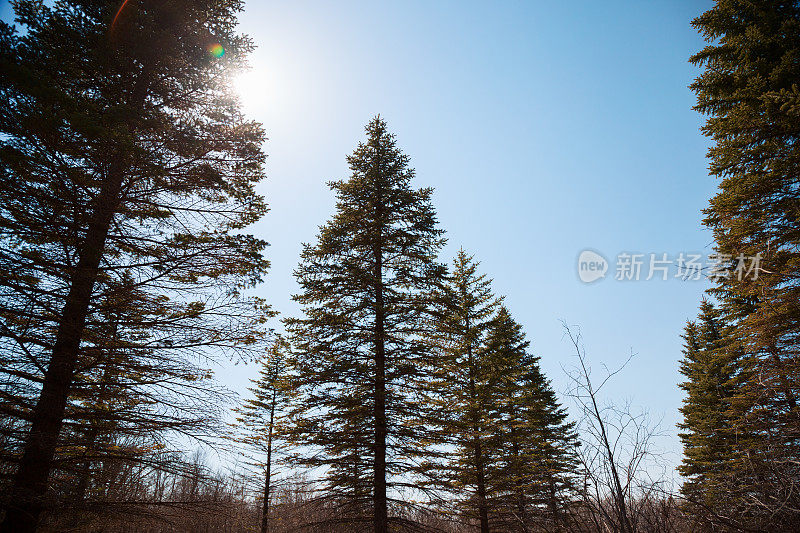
x=544, y=127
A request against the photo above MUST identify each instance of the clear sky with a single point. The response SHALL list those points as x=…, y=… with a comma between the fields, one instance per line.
x=544, y=127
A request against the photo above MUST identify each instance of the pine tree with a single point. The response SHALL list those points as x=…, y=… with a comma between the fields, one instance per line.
x=532, y=461
x=708, y=435
x=358, y=346
x=505, y=451
x=127, y=173
x=749, y=90
x=463, y=413
x=259, y=417
x=127, y=406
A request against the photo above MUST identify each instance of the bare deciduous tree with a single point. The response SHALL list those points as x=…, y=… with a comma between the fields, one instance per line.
x=625, y=489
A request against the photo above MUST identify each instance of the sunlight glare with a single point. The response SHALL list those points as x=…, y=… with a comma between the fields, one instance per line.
x=252, y=86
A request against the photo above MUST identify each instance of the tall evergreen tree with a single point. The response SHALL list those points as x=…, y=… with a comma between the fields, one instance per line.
x=461, y=379
x=505, y=450
x=709, y=433
x=259, y=417
x=532, y=460
x=127, y=173
x=358, y=346
x=749, y=90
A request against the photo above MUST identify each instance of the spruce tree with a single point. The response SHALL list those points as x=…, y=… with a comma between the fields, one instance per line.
x=463, y=412
x=531, y=452
x=358, y=347
x=500, y=444
x=709, y=434
x=748, y=89
x=259, y=417
x=127, y=173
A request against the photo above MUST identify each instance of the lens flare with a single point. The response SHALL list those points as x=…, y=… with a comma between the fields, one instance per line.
x=121, y=7
x=216, y=50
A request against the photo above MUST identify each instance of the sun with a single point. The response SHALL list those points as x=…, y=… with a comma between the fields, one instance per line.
x=253, y=87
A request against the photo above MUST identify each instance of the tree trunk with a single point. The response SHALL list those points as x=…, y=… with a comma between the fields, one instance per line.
x=618, y=494
x=268, y=474
x=91, y=448
x=379, y=490
x=522, y=508
x=554, y=503
x=379, y=504
x=483, y=510
x=522, y=511
x=30, y=481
